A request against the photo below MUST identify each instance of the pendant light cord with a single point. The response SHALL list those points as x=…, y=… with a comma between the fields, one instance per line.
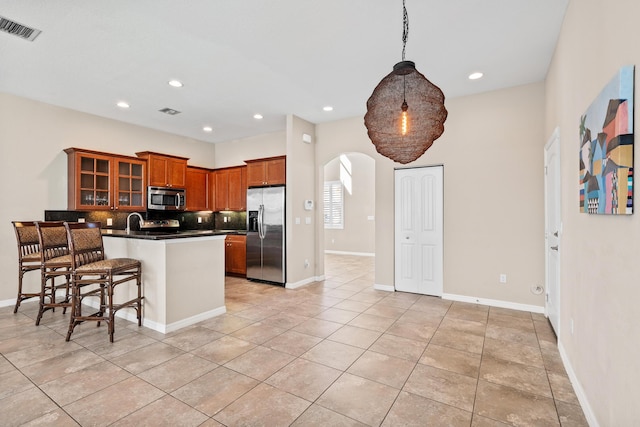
x=405, y=28
x=405, y=36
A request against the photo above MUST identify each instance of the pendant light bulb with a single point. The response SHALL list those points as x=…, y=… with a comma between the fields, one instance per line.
x=404, y=127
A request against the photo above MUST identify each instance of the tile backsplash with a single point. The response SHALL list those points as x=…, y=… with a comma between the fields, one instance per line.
x=230, y=220
x=188, y=220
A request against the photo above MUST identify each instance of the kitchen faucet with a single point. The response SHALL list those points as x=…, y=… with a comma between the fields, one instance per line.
x=128, y=229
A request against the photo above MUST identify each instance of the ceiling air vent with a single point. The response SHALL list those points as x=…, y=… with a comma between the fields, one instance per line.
x=18, y=30
x=169, y=111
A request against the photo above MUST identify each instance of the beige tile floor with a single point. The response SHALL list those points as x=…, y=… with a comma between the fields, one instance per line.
x=333, y=353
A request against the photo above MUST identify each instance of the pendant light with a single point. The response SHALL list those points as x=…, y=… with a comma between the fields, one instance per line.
x=405, y=112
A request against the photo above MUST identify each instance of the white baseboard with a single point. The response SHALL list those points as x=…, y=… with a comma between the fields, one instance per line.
x=130, y=315
x=349, y=253
x=165, y=329
x=387, y=288
x=10, y=302
x=577, y=387
x=303, y=282
x=494, y=303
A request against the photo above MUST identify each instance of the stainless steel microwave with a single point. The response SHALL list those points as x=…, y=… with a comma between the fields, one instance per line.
x=166, y=199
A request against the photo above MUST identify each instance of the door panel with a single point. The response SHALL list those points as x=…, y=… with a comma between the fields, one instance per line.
x=428, y=262
x=407, y=256
x=419, y=230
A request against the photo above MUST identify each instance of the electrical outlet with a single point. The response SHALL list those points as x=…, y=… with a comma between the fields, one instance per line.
x=80, y=219
x=306, y=263
x=503, y=278
x=199, y=220
x=109, y=222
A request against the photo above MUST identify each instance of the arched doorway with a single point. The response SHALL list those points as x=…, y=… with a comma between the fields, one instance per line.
x=348, y=211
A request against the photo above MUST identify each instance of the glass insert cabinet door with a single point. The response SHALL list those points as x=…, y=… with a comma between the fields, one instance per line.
x=130, y=187
x=94, y=182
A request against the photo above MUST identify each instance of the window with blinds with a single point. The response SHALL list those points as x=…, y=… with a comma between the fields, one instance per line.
x=333, y=204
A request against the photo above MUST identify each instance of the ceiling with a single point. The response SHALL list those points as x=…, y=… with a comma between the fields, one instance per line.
x=237, y=58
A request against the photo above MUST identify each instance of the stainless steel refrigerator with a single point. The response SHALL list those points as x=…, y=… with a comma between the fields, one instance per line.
x=265, y=234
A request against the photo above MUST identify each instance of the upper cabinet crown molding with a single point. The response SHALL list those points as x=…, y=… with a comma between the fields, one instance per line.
x=146, y=154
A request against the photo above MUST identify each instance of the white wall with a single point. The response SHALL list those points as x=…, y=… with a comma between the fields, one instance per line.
x=33, y=167
x=358, y=234
x=301, y=186
x=234, y=153
x=600, y=273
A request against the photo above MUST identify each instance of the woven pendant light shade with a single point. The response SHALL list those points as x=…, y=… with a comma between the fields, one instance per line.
x=426, y=114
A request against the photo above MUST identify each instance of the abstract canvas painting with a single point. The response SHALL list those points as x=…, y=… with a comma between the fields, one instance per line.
x=606, y=149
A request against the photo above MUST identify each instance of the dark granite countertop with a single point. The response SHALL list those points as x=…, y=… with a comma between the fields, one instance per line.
x=168, y=235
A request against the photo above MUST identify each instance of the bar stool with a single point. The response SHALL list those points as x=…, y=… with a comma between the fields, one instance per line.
x=28, y=256
x=89, y=267
x=55, y=261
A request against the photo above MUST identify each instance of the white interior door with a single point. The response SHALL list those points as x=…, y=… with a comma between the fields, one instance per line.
x=553, y=228
x=419, y=230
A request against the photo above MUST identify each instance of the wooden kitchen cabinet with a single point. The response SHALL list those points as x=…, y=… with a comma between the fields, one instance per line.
x=269, y=171
x=235, y=253
x=104, y=181
x=197, y=189
x=130, y=187
x=230, y=189
x=165, y=170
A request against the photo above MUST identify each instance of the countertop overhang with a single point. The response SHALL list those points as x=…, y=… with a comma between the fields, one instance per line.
x=169, y=235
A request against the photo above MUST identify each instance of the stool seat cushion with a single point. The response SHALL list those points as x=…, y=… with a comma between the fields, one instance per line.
x=109, y=265
x=33, y=257
x=61, y=261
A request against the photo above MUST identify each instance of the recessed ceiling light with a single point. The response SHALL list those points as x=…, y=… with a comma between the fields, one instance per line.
x=257, y=116
x=328, y=108
x=123, y=104
x=175, y=83
x=475, y=76
x=207, y=129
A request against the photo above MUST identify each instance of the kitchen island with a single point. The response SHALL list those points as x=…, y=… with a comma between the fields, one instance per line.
x=183, y=274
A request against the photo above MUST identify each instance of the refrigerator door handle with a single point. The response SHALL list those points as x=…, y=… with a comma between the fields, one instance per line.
x=260, y=219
